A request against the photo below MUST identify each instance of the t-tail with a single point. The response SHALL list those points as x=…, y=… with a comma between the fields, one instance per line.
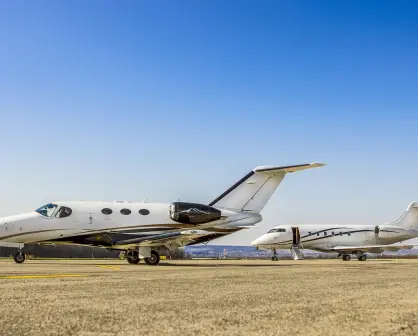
x=252, y=192
x=409, y=219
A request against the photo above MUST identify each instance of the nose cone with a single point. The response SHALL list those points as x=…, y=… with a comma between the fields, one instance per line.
x=19, y=218
x=258, y=241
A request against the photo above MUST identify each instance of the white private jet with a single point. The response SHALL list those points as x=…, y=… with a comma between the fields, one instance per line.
x=345, y=240
x=146, y=230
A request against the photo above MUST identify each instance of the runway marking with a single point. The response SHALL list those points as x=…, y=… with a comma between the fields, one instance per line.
x=110, y=267
x=39, y=276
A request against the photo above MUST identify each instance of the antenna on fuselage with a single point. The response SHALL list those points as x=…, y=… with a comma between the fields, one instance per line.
x=145, y=200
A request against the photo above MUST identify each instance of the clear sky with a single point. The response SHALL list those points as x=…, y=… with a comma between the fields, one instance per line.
x=111, y=100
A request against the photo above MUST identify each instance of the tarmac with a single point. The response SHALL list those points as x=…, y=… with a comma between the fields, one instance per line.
x=209, y=297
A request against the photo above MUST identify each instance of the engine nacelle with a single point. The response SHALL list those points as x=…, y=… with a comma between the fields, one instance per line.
x=389, y=231
x=193, y=213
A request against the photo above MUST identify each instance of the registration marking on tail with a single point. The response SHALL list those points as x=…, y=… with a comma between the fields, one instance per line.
x=42, y=276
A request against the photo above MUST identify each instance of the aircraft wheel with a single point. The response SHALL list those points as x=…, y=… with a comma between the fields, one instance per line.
x=133, y=260
x=362, y=258
x=274, y=258
x=19, y=257
x=153, y=260
x=346, y=257
x=133, y=257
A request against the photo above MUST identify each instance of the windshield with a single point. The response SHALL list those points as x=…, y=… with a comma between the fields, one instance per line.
x=277, y=230
x=47, y=210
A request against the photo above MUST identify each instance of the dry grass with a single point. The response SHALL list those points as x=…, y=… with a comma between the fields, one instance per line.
x=329, y=297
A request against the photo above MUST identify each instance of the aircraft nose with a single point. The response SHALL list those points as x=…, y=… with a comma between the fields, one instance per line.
x=256, y=242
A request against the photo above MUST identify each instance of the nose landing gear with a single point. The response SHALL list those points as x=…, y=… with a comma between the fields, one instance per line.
x=274, y=256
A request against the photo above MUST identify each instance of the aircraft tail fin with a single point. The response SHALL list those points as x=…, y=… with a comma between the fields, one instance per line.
x=252, y=192
x=409, y=219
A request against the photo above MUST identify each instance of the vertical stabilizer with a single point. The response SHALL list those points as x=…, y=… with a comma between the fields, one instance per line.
x=252, y=192
x=409, y=219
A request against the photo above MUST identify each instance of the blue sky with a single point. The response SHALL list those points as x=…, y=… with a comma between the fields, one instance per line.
x=106, y=100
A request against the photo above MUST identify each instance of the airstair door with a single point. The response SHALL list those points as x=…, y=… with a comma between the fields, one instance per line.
x=296, y=236
x=296, y=249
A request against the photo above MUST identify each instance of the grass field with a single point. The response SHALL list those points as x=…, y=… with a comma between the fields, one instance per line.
x=310, y=297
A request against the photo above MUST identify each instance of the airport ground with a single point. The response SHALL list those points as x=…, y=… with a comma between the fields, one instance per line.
x=305, y=297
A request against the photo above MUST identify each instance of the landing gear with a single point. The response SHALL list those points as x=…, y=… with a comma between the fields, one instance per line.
x=362, y=257
x=153, y=260
x=19, y=257
x=274, y=256
x=133, y=257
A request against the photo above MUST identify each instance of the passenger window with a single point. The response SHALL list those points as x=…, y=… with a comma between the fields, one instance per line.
x=107, y=211
x=125, y=212
x=64, y=212
x=144, y=212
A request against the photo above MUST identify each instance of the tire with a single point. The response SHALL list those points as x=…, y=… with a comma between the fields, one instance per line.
x=19, y=257
x=133, y=258
x=346, y=257
x=362, y=258
x=153, y=260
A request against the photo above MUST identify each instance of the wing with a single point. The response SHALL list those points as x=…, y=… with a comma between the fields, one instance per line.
x=179, y=238
x=372, y=248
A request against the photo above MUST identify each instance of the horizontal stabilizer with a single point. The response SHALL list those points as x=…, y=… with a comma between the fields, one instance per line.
x=252, y=192
x=288, y=169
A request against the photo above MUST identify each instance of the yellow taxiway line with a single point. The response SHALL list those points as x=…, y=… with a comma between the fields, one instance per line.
x=38, y=276
x=110, y=267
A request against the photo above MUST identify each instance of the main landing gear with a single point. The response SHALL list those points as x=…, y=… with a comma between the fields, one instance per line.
x=19, y=257
x=153, y=260
x=133, y=258
x=360, y=256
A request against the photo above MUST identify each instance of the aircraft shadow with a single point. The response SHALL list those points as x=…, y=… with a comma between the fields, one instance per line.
x=162, y=264
x=223, y=265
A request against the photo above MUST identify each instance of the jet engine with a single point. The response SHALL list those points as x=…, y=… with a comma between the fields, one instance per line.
x=388, y=231
x=193, y=213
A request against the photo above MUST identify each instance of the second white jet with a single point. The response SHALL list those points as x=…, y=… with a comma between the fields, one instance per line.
x=344, y=240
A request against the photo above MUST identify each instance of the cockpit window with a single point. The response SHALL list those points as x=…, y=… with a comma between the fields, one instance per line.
x=47, y=210
x=277, y=230
x=63, y=212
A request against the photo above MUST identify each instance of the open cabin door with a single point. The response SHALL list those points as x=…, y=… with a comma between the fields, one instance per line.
x=296, y=236
x=296, y=249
